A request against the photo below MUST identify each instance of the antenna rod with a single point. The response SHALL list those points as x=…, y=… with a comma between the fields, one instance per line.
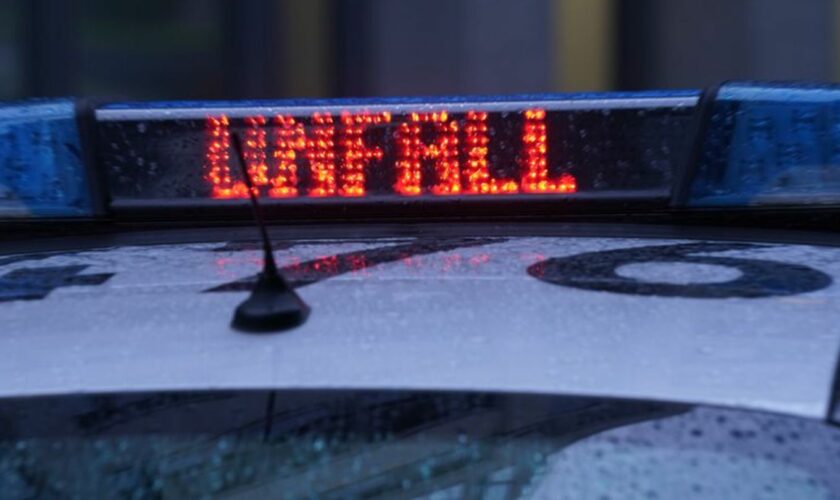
x=273, y=305
x=255, y=203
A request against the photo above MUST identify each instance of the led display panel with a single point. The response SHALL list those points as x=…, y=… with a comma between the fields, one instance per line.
x=556, y=146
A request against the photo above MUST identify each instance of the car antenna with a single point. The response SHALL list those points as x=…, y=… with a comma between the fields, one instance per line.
x=273, y=305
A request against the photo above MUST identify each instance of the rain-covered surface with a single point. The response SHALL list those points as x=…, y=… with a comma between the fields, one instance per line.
x=770, y=144
x=41, y=167
x=633, y=148
x=471, y=314
x=435, y=446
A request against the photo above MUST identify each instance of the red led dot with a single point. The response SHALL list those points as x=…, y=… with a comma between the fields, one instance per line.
x=321, y=156
x=254, y=150
x=476, y=170
x=355, y=153
x=535, y=152
x=411, y=151
x=288, y=140
x=217, y=167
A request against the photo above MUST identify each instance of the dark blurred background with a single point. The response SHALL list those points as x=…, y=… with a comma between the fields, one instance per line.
x=213, y=49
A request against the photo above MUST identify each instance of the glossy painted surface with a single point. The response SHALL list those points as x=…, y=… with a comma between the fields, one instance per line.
x=452, y=314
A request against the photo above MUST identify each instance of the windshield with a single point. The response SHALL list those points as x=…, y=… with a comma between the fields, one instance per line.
x=335, y=444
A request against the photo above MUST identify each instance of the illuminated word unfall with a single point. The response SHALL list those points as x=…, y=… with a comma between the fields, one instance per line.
x=431, y=153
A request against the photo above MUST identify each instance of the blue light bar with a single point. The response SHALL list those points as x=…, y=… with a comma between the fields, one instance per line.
x=769, y=144
x=42, y=173
x=760, y=145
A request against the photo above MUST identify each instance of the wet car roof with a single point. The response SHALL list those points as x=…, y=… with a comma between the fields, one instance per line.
x=689, y=320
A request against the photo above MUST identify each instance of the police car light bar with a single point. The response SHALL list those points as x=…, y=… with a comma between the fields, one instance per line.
x=396, y=150
x=757, y=145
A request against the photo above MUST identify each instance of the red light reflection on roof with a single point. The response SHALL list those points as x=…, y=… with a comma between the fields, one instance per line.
x=338, y=156
x=359, y=264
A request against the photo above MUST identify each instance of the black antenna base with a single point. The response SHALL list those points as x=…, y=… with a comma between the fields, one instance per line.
x=273, y=306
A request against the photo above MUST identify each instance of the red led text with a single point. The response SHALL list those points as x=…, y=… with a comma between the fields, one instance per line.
x=339, y=155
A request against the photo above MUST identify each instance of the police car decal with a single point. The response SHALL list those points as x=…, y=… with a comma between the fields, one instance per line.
x=695, y=321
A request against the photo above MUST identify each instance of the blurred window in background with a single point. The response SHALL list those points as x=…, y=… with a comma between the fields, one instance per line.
x=241, y=49
x=10, y=53
x=151, y=48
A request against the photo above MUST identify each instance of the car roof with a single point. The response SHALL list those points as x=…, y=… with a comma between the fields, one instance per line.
x=529, y=314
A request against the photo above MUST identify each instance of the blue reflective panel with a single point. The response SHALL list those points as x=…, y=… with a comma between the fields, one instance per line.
x=41, y=169
x=770, y=144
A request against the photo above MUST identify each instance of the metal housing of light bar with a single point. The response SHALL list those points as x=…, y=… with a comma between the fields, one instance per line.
x=623, y=147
